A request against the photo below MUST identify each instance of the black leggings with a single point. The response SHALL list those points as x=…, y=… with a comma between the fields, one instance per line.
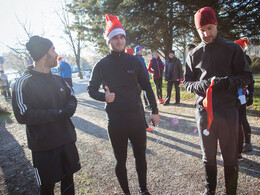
x=67, y=187
x=146, y=102
x=244, y=129
x=119, y=133
x=158, y=84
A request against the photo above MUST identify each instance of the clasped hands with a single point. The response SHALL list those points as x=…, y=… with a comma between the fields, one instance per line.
x=220, y=83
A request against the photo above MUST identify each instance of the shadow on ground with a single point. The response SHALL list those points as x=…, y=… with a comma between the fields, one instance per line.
x=17, y=170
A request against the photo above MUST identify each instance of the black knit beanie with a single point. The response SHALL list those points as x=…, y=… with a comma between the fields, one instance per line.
x=171, y=51
x=38, y=47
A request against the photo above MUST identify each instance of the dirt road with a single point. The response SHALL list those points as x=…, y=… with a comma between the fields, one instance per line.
x=173, y=154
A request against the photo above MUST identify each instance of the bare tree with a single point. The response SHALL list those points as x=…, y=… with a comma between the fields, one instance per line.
x=74, y=36
x=20, y=53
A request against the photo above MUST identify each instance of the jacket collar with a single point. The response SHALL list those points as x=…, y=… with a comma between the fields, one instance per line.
x=47, y=75
x=117, y=54
x=218, y=37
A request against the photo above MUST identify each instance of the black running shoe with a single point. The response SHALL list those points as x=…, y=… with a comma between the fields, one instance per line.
x=143, y=192
x=208, y=192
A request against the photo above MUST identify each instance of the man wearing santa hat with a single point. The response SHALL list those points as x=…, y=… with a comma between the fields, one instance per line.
x=215, y=69
x=245, y=96
x=121, y=76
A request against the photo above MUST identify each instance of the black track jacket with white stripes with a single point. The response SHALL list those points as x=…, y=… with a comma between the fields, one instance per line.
x=37, y=99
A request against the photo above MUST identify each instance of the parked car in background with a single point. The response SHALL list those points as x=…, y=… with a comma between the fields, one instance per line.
x=87, y=73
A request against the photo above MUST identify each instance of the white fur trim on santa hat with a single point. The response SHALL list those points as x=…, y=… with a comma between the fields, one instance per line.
x=115, y=32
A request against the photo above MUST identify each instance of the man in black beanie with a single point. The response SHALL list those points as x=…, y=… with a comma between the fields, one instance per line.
x=45, y=103
x=38, y=47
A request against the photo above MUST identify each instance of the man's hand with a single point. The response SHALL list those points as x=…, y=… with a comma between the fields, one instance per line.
x=109, y=97
x=67, y=112
x=220, y=83
x=155, y=118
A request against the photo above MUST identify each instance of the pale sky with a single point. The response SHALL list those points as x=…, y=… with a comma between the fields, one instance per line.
x=41, y=16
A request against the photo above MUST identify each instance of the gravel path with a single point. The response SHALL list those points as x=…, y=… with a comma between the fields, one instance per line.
x=173, y=154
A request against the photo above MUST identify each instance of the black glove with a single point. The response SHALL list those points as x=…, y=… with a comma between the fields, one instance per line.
x=249, y=101
x=221, y=83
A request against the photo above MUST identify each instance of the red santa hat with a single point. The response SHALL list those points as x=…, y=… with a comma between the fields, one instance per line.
x=113, y=27
x=207, y=103
x=59, y=58
x=204, y=16
x=242, y=42
x=129, y=51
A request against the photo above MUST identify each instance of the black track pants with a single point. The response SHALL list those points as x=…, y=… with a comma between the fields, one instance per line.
x=169, y=91
x=225, y=129
x=67, y=187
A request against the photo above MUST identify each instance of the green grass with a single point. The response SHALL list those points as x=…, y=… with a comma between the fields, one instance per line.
x=256, y=104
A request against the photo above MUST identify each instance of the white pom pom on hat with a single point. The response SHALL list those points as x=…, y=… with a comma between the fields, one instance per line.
x=205, y=132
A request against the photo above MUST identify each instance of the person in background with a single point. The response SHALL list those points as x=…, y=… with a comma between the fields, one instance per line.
x=246, y=99
x=191, y=47
x=65, y=71
x=5, y=85
x=214, y=70
x=173, y=75
x=156, y=67
x=138, y=54
x=122, y=75
x=44, y=102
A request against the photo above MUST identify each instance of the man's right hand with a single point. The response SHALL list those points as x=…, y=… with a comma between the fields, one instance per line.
x=220, y=83
x=155, y=118
x=109, y=97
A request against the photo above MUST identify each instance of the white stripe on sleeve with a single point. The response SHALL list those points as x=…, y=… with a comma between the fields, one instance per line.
x=37, y=176
x=19, y=94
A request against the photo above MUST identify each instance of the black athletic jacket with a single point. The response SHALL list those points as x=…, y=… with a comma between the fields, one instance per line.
x=156, y=67
x=124, y=74
x=173, y=69
x=220, y=58
x=37, y=99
